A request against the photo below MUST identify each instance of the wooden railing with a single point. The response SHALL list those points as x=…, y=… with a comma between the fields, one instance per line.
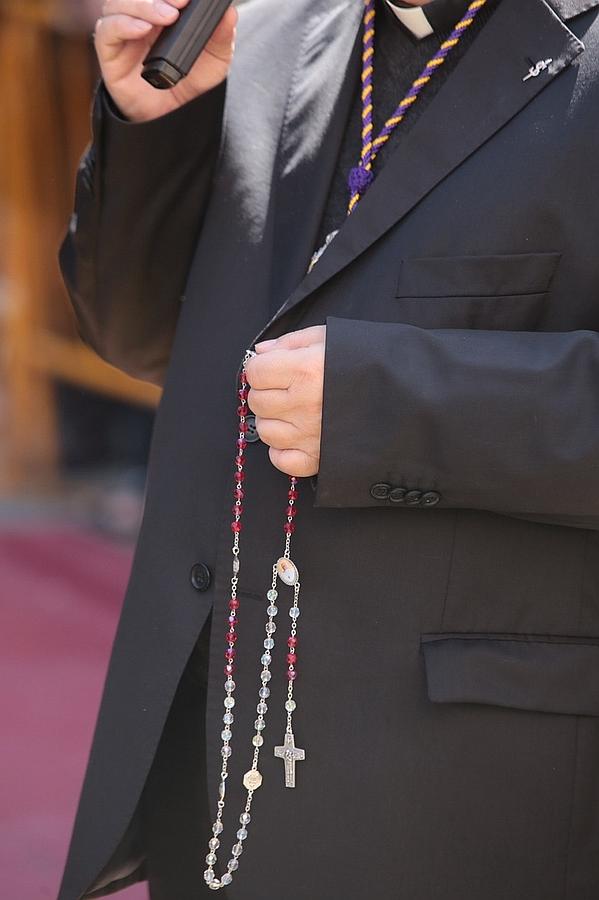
x=47, y=74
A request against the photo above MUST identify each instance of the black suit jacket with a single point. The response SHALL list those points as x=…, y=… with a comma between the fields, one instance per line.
x=448, y=697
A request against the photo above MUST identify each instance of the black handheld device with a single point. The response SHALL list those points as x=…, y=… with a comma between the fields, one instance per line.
x=179, y=45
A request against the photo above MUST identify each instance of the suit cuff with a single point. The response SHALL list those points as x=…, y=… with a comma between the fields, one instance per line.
x=205, y=106
x=131, y=151
x=364, y=462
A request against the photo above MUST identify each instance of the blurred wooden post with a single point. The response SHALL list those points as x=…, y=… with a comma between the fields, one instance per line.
x=26, y=122
x=47, y=82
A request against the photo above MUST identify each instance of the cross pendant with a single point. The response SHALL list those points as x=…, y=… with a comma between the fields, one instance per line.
x=291, y=754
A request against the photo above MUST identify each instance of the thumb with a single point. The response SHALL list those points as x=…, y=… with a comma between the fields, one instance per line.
x=294, y=340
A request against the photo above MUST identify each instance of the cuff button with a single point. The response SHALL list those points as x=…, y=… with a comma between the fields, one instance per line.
x=398, y=495
x=380, y=491
x=413, y=498
x=430, y=498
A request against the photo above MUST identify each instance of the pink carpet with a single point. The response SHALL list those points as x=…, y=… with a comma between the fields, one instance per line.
x=60, y=595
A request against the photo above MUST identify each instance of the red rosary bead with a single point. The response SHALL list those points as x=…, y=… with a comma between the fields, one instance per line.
x=237, y=509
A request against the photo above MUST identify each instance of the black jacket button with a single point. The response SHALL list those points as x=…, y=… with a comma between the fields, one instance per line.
x=413, y=498
x=251, y=434
x=201, y=577
x=397, y=495
x=431, y=498
x=380, y=491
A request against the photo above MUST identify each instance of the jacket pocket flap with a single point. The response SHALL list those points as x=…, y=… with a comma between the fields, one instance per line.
x=472, y=276
x=543, y=673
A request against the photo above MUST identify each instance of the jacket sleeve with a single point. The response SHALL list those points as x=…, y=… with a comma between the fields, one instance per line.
x=141, y=193
x=492, y=420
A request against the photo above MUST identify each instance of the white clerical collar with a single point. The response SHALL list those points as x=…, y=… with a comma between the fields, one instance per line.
x=414, y=19
x=436, y=16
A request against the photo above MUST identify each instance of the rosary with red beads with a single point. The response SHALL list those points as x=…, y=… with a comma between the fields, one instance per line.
x=284, y=569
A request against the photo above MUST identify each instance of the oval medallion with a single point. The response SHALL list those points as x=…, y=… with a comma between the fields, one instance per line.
x=252, y=780
x=287, y=571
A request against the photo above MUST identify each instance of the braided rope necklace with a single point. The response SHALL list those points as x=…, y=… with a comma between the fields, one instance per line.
x=362, y=176
x=284, y=569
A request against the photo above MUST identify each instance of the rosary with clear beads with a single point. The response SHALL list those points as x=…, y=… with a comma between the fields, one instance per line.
x=285, y=570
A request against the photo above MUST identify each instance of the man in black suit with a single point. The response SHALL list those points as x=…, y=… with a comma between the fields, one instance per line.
x=435, y=386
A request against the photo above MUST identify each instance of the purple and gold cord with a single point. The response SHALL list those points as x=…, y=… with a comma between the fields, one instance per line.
x=362, y=176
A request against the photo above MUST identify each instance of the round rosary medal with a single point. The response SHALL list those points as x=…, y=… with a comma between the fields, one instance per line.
x=252, y=780
x=287, y=571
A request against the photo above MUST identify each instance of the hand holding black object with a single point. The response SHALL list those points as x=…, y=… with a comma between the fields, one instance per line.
x=179, y=46
x=124, y=36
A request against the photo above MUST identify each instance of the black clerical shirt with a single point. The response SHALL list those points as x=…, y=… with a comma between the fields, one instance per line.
x=399, y=59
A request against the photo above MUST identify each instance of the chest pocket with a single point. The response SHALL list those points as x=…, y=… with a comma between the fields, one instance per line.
x=505, y=292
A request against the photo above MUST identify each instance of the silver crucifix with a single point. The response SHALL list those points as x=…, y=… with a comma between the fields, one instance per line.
x=291, y=754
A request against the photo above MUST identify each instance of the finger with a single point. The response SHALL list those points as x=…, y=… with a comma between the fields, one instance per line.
x=220, y=42
x=271, y=404
x=293, y=340
x=276, y=433
x=294, y=462
x=116, y=28
x=270, y=371
x=113, y=31
x=154, y=11
x=221, y=47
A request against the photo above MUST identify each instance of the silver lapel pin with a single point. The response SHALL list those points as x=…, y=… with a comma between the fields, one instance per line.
x=538, y=68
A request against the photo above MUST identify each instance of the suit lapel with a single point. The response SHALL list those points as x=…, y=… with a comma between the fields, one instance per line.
x=567, y=9
x=317, y=109
x=485, y=91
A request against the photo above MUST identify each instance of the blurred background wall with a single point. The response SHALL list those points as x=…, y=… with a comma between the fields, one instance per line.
x=74, y=436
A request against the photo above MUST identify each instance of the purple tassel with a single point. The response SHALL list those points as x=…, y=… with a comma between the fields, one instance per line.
x=360, y=180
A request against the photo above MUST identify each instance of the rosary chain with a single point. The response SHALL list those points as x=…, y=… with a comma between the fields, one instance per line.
x=252, y=779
